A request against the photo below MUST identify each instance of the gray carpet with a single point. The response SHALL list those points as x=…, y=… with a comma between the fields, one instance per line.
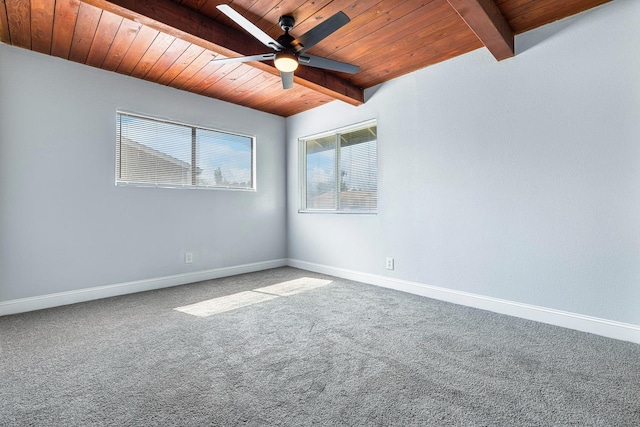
x=344, y=354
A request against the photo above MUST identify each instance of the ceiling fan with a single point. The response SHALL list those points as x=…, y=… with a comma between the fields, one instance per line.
x=289, y=52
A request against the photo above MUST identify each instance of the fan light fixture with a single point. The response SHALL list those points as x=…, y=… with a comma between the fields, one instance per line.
x=286, y=62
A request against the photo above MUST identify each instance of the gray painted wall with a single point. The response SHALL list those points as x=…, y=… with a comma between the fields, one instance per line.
x=518, y=180
x=65, y=226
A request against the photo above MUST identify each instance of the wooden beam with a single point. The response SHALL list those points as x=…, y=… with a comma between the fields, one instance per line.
x=181, y=22
x=486, y=21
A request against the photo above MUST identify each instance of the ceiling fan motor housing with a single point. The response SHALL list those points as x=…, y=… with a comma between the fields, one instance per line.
x=287, y=22
x=287, y=40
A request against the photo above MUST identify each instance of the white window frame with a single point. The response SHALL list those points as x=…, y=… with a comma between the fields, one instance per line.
x=302, y=170
x=125, y=183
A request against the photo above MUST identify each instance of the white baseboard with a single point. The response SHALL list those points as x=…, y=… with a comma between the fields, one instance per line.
x=71, y=297
x=580, y=322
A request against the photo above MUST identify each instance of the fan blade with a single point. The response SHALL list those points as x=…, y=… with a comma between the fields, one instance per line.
x=249, y=27
x=287, y=80
x=262, y=57
x=320, y=31
x=327, y=64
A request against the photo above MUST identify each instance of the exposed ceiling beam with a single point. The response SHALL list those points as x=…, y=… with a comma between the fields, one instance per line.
x=486, y=21
x=181, y=22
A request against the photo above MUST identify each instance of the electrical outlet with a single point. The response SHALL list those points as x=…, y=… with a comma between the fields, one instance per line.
x=389, y=263
x=188, y=257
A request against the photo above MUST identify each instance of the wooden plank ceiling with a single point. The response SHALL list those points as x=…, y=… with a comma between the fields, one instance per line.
x=173, y=42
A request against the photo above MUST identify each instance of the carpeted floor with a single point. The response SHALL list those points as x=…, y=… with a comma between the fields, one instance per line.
x=274, y=349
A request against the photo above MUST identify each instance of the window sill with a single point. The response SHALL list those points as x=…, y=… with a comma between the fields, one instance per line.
x=180, y=187
x=343, y=212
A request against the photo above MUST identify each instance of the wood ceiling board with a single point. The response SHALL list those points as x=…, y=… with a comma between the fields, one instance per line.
x=266, y=90
x=260, y=85
x=270, y=91
x=240, y=82
x=225, y=77
x=375, y=25
x=19, y=19
x=191, y=4
x=155, y=51
x=455, y=45
x=385, y=60
x=301, y=11
x=258, y=12
x=205, y=76
x=125, y=36
x=251, y=83
x=409, y=31
x=169, y=59
x=66, y=15
x=4, y=24
x=103, y=39
x=192, y=69
x=458, y=43
x=144, y=38
x=294, y=100
x=330, y=84
x=535, y=14
x=209, y=8
x=460, y=40
x=85, y=29
x=42, y=12
x=186, y=58
x=296, y=104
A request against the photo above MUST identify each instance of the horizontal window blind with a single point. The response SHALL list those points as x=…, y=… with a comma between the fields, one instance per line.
x=358, y=170
x=161, y=153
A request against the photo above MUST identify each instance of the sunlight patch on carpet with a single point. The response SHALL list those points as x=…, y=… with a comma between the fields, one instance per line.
x=226, y=303
x=292, y=287
x=243, y=299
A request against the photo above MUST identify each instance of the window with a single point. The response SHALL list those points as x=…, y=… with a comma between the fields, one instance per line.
x=339, y=170
x=164, y=154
